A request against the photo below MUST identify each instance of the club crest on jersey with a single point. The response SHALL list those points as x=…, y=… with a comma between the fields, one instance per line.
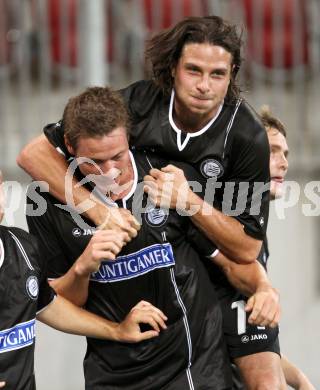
x=32, y=287
x=156, y=216
x=211, y=168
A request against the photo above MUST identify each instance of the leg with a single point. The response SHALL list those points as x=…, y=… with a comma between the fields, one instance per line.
x=261, y=371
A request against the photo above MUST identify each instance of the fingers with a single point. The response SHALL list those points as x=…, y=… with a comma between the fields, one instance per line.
x=144, y=305
x=149, y=316
x=155, y=173
x=171, y=169
x=149, y=334
x=2, y=384
x=107, y=240
x=265, y=310
x=122, y=220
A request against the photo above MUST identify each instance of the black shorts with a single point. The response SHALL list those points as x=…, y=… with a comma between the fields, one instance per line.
x=242, y=338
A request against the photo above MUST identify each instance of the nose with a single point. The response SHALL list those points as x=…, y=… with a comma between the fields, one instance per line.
x=284, y=163
x=107, y=167
x=203, y=84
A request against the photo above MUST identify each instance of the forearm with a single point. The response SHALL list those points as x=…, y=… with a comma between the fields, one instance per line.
x=73, y=286
x=66, y=317
x=247, y=278
x=225, y=231
x=43, y=163
x=294, y=376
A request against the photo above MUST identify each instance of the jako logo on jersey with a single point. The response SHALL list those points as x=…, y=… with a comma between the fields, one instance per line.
x=244, y=339
x=135, y=264
x=17, y=337
x=261, y=336
x=32, y=287
x=155, y=216
x=211, y=168
x=77, y=232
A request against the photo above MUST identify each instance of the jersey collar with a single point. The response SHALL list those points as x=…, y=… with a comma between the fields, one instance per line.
x=181, y=145
x=124, y=200
x=1, y=253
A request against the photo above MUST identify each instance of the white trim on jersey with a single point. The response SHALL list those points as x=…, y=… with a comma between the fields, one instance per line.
x=23, y=252
x=135, y=181
x=59, y=150
x=230, y=125
x=1, y=253
x=45, y=307
x=214, y=254
x=186, y=325
x=182, y=145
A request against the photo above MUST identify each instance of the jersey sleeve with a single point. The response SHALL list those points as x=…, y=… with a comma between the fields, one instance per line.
x=40, y=226
x=251, y=179
x=55, y=135
x=46, y=293
x=200, y=242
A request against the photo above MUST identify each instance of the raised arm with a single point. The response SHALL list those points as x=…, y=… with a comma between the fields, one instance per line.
x=104, y=244
x=170, y=188
x=44, y=163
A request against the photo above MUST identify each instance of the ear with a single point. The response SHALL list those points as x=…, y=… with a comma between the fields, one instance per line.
x=68, y=146
x=173, y=72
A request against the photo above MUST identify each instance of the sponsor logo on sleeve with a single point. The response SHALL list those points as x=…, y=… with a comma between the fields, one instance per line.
x=19, y=336
x=135, y=264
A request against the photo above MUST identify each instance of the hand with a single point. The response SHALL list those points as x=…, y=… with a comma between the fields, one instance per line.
x=264, y=306
x=117, y=219
x=104, y=244
x=2, y=384
x=167, y=188
x=129, y=330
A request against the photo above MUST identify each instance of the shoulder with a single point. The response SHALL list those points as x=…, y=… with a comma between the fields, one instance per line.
x=25, y=241
x=141, y=96
x=247, y=127
x=21, y=234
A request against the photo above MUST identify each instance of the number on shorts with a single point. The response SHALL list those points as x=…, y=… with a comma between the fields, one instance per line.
x=242, y=317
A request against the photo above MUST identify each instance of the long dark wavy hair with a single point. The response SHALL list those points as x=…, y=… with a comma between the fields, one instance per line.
x=164, y=49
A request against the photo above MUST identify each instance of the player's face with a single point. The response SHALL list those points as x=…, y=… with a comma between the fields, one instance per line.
x=278, y=161
x=201, y=80
x=1, y=197
x=107, y=160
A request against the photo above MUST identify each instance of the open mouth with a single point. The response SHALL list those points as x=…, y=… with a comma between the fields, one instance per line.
x=277, y=179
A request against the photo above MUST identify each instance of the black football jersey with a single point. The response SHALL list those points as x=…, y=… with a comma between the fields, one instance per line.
x=24, y=292
x=161, y=265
